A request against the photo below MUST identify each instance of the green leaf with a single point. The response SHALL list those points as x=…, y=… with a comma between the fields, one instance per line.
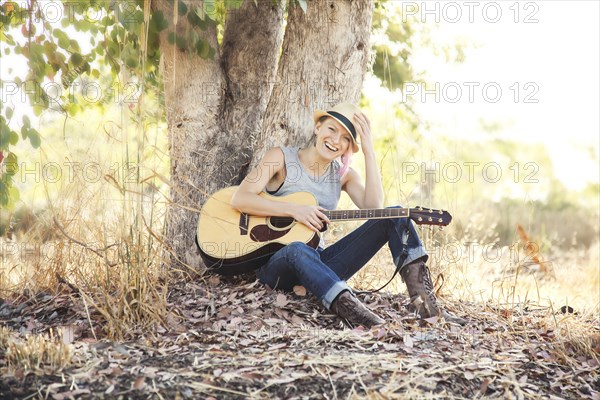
x=24, y=132
x=112, y=49
x=180, y=42
x=181, y=8
x=63, y=43
x=131, y=62
x=26, y=121
x=74, y=45
x=3, y=195
x=9, y=113
x=4, y=138
x=194, y=19
x=11, y=166
x=13, y=138
x=6, y=38
x=209, y=7
x=34, y=138
x=211, y=53
x=202, y=48
x=159, y=21
x=76, y=59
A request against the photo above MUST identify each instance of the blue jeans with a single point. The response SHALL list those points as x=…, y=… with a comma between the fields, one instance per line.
x=324, y=271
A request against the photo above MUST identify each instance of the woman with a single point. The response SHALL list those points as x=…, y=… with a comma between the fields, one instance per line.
x=322, y=168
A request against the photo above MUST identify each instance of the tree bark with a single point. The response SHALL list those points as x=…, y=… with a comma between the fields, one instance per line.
x=325, y=55
x=194, y=90
x=251, y=45
x=211, y=114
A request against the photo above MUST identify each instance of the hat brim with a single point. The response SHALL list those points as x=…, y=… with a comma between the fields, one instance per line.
x=320, y=113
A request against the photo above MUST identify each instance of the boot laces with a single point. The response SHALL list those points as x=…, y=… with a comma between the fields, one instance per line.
x=427, y=283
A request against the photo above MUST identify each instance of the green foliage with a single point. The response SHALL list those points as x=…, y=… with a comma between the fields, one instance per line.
x=395, y=46
x=91, y=38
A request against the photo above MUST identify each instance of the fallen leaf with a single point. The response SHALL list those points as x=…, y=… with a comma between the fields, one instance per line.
x=300, y=290
x=381, y=332
x=281, y=300
x=140, y=383
x=484, y=386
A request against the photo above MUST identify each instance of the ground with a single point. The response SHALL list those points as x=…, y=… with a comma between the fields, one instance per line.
x=233, y=338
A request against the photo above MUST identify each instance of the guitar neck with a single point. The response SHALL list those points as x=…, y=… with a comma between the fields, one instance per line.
x=377, y=213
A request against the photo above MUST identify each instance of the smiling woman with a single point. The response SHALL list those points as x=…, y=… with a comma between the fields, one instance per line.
x=322, y=169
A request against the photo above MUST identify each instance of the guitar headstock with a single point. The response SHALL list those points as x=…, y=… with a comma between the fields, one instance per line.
x=427, y=216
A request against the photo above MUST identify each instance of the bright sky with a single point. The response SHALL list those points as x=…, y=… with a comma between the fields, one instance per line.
x=553, y=58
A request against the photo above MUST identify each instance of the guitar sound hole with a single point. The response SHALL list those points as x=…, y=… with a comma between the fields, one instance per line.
x=281, y=222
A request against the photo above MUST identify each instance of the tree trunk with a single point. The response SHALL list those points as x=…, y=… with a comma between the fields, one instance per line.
x=222, y=113
x=251, y=44
x=324, y=58
x=209, y=115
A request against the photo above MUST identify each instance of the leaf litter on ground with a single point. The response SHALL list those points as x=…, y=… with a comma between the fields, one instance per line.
x=234, y=338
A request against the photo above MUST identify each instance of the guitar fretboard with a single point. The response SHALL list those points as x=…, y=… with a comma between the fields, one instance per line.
x=379, y=213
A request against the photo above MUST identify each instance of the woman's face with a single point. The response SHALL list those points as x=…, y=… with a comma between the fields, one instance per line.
x=333, y=139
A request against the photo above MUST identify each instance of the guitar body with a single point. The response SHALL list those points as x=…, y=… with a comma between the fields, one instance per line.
x=233, y=243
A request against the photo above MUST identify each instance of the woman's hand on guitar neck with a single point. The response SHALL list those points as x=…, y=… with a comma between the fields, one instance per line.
x=311, y=216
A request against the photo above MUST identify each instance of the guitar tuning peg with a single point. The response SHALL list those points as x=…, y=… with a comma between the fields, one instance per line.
x=441, y=227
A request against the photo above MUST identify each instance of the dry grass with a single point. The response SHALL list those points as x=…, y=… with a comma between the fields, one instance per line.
x=34, y=351
x=99, y=233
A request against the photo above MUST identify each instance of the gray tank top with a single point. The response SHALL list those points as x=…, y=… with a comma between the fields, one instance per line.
x=327, y=188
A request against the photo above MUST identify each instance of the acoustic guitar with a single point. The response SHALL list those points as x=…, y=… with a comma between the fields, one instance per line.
x=232, y=243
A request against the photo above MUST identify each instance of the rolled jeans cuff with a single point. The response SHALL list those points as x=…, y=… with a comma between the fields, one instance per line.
x=334, y=292
x=414, y=254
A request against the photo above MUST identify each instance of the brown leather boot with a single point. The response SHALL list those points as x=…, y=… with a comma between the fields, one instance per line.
x=422, y=299
x=350, y=308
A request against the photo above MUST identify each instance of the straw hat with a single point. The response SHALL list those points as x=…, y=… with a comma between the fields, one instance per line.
x=344, y=114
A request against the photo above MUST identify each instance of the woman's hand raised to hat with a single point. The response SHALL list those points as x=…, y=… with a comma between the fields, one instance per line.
x=363, y=128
